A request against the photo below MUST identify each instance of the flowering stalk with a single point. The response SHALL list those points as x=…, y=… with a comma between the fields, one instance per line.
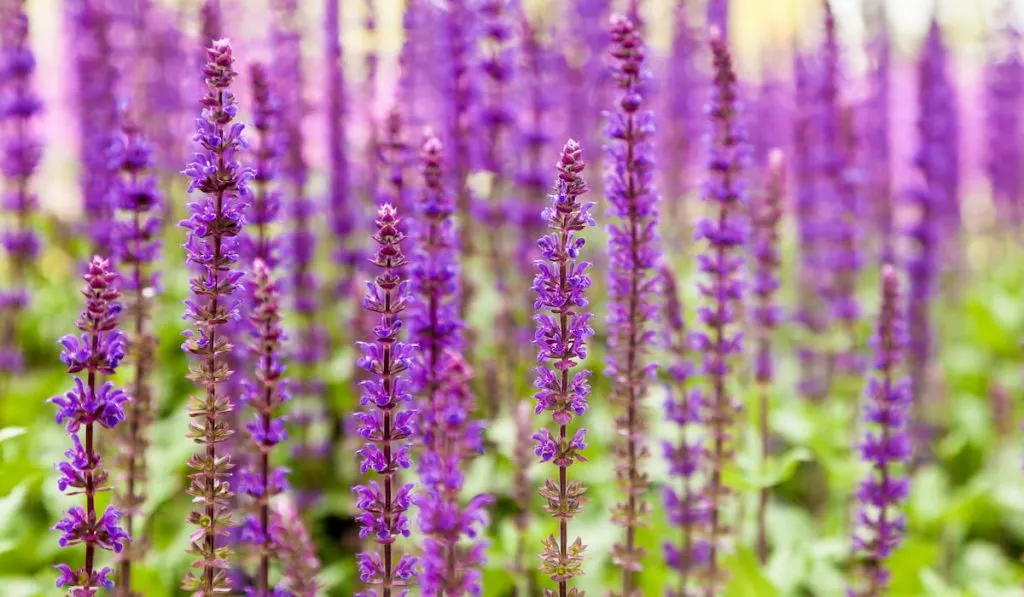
x=684, y=504
x=386, y=425
x=767, y=260
x=561, y=340
x=97, y=352
x=371, y=61
x=138, y=248
x=22, y=152
x=96, y=80
x=718, y=17
x=212, y=246
x=886, y=447
x=266, y=200
x=299, y=563
x=939, y=129
x=265, y=395
x=635, y=253
x=450, y=436
x=1005, y=98
x=878, y=142
x=340, y=212
x=394, y=155
x=722, y=289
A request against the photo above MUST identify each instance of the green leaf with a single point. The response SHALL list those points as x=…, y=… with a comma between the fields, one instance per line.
x=908, y=562
x=776, y=470
x=11, y=503
x=7, y=433
x=746, y=577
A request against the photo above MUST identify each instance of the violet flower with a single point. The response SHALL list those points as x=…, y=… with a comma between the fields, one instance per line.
x=453, y=553
x=95, y=82
x=386, y=424
x=635, y=253
x=22, y=153
x=371, y=61
x=295, y=549
x=886, y=447
x=138, y=249
x=266, y=199
x=213, y=228
x=341, y=212
x=394, y=156
x=265, y=395
x=1004, y=95
x=684, y=504
x=87, y=406
x=562, y=331
x=586, y=70
x=767, y=258
x=722, y=290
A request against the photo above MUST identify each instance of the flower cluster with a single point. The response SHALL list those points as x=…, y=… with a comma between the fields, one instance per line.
x=722, y=288
x=266, y=199
x=394, y=155
x=137, y=249
x=265, y=395
x=386, y=424
x=561, y=338
x=459, y=93
x=684, y=503
x=635, y=253
x=96, y=352
x=22, y=153
x=1004, y=101
x=214, y=226
x=877, y=157
x=341, y=213
x=886, y=447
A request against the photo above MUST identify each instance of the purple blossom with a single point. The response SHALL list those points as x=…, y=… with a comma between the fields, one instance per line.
x=877, y=142
x=562, y=331
x=386, y=358
x=886, y=447
x=635, y=251
x=722, y=287
x=684, y=503
x=266, y=153
x=22, y=152
x=1004, y=101
x=265, y=394
x=341, y=206
x=214, y=226
x=96, y=80
x=80, y=410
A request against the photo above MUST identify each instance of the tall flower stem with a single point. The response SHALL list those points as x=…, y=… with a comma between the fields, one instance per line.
x=213, y=227
x=561, y=337
x=96, y=352
x=722, y=289
x=138, y=247
x=635, y=252
x=767, y=259
x=385, y=425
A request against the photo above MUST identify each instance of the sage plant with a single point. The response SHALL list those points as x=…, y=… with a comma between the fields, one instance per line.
x=767, y=258
x=261, y=242
x=886, y=448
x=22, y=152
x=84, y=409
x=265, y=395
x=299, y=562
x=561, y=338
x=724, y=234
x=387, y=423
x=214, y=226
x=685, y=506
x=137, y=249
x=635, y=253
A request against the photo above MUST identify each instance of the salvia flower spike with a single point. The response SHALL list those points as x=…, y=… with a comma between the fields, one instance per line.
x=386, y=423
x=137, y=249
x=212, y=247
x=635, y=253
x=767, y=257
x=89, y=405
x=452, y=553
x=886, y=448
x=721, y=290
x=266, y=154
x=22, y=152
x=684, y=503
x=265, y=395
x=561, y=338
x=295, y=549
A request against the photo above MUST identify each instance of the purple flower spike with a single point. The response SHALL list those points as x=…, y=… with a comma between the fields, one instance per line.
x=1004, y=101
x=22, y=152
x=385, y=423
x=767, y=259
x=266, y=199
x=563, y=327
x=684, y=502
x=80, y=410
x=635, y=254
x=265, y=394
x=725, y=233
x=886, y=447
x=341, y=211
x=138, y=249
x=212, y=248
